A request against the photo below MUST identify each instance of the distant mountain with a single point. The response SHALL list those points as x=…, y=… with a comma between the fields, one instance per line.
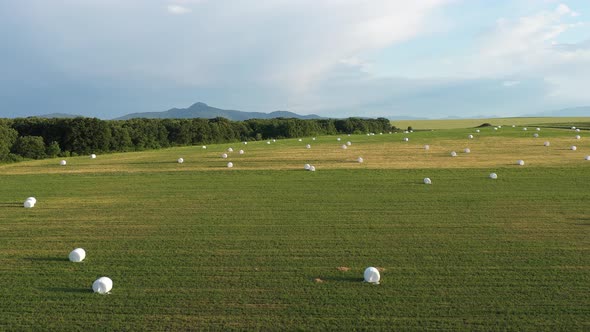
x=573, y=111
x=202, y=110
x=58, y=115
x=405, y=117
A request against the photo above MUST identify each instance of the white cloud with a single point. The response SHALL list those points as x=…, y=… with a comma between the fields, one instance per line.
x=178, y=9
x=510, y=83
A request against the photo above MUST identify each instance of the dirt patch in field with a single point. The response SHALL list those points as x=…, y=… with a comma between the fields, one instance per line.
x=318, y=280
x=343, y=268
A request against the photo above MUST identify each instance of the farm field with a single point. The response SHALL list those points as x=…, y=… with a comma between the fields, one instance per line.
x=266, y=245
x=470, y=123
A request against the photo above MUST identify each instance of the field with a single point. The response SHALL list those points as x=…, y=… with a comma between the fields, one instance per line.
x=266, y=245
x=470, y=123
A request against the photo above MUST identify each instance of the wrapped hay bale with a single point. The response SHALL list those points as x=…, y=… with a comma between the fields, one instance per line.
x=427, y=181
x=224, y=156
x=77, y=255
x=102, y=285
x=230, y=165
x=477, y=130
x=360, y=160
x=535, y=135
x=470, y=136
x=28, y=204
x=312, y=168
x=372, y=275
x=520, y=162
x=32, y=199
x=427, y=147
x=467, y=150
x=306, y=167
x=93, y=156
x=230, y=150
x=63, y=163
x=241, y=152
x=578, y=136
x=406, y=139
x=349, y=143
x=453, y=154
x=493, y=176
x=573, y=148
x=180, y=160
x=547, y=143
x=204, y=146
x=344, y=147
x=308, y=146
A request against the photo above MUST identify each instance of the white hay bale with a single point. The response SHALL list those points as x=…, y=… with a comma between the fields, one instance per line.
x=312, y=168
x=204, y=146
x=499, y=126
x=427, y=181
x=313, y=138
x=300, y=140
x=230, y=165
x=180, y=160
x=338, y=139
x=93, y=156
x=535, y=135
x=573, y=148
x=453, y=154
x=308, y=146
x=32, y=199
x=224, y=156
x=547, y=143
x=77, y=255
x=493, y=176
x=477, y=130
x=274, y=140
x=573, y=128
x=525, y=129
x=406, y=139
x=245, y=143
x=102, y=285
x=372, y=275
x=577, y=130
x=467, y=150
x=495, y=128
x=513, y=126
x=587, y=158
x=360, y=160
x=241, y=152
x=267, y=142
x=63, y=163
x=538, y=129
x=28, y=204
x=426, y=147
x=230, y=150
x=306, y=167
x=405, y=131
x=344, y=147
x=578, y=136
x=470, y=136
x=520, y=162
x=349, y=143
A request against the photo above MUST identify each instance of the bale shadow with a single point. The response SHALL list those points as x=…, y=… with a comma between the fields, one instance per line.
x=341, y=279
x=47, y=259
x=67, y=290
x=11, y=205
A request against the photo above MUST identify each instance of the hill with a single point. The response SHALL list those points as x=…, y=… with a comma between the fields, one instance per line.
x=58, y=115
x=202, y=110
x=572, y=111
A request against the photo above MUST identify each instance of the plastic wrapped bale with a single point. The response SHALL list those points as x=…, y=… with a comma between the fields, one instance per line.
x=204, y=146
x=349, y=143
x=360, y=160
x=93, y=156
x=573, y=148
x=577, y=130
x=547, y=143
x=77, y=255
x=102, y=285
x=338, y=139
x=180, y=160
x=587, y=158
x=245, y=143
x=520, y=162
x=267, y=142
x=63, y=163
x=453, y=154
x=578, y=136
x=241, y=152
x=312, y=168
x=300, y=140
x=344, y=147
x=406, y=139
x=230, y=165
x=525, y=129
x=470, y=136
x=538, y=129
x=372, y=275
x=477, y=130
x=28, y=204
x=230, y=150
x=274, y=140
x=427, y=181
x=495, y=128
x=308, y=146
x=313, y=138
x=499, y=126
x=513, y=126
x=32, y=199
x=535, y=135
x=427, y=147
x=573, y=128
x=224, y=156
x=467, y=150
x=306, y=167
x=493, y=176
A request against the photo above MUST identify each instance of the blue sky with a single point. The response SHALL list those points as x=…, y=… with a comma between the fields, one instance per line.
x=423, y=58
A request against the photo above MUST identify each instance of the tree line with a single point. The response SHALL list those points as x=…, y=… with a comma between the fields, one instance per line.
x=37, y=138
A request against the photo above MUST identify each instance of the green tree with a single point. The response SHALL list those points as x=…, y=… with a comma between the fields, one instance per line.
x=30, y=147
x=53, y=149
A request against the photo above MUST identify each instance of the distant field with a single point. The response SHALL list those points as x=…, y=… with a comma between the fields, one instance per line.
x=470, y=123
x=268, y=246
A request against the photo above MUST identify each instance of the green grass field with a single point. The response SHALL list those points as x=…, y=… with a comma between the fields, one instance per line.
x=266, y=245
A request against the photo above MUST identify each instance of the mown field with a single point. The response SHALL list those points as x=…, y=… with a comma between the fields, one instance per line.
x=470, y=123
x=266, y=245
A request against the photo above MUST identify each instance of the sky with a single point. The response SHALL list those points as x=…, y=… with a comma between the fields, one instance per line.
x=334, y=58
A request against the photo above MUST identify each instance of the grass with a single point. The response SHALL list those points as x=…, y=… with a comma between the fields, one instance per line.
x=199, y=246
x=472, y=123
